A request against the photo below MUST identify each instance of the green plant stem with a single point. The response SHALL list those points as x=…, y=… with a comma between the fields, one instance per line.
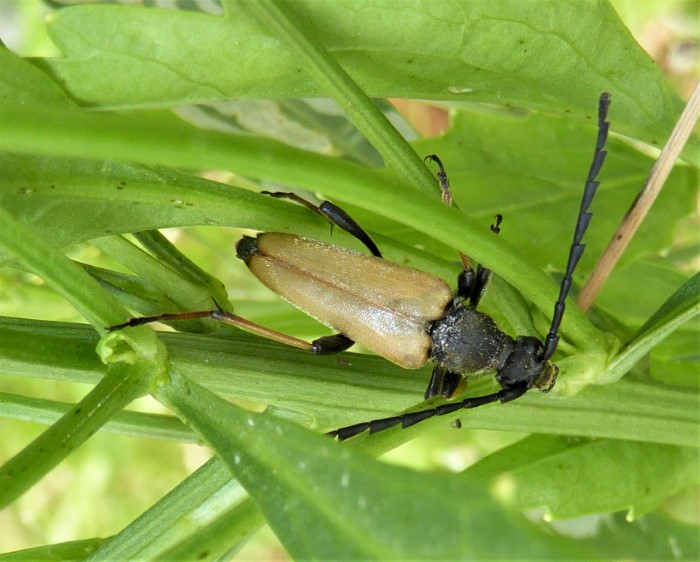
x=120, y=387
x=210, y=490
x=98, y=136
x=239, y=366
x=38, y=410
x=64, y=276
x=130, y=375
x=165, y=252
x=398, y=155
x=186, y=293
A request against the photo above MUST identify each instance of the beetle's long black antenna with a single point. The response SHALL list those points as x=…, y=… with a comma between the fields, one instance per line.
x=412, y=418
x=584, y=217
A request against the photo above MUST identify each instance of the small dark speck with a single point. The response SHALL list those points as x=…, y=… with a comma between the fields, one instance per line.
x=655, y=142
x=567, y=111
x=120, y=187
x=122, y=183
x=524, y=51
x=52, y=186
x=190, y=204
x=588, y=116
x=78, y=410
x=618, y=237
x=202, y=555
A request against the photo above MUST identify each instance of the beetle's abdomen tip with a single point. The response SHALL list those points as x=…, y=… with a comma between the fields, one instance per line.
x=246, y=247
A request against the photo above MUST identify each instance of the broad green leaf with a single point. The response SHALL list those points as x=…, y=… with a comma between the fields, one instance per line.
x=661, y=280
x=550, y=56
x=21, y=82
x=651, y=537
x=356, y=507
x=541, y=469
x=532, y=170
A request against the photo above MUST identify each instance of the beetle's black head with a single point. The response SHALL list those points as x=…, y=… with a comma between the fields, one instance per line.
x=246, y=247
x=525, y=364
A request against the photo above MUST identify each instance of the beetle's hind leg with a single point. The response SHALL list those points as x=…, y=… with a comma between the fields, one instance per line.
x=322, y=346
x=335, y=215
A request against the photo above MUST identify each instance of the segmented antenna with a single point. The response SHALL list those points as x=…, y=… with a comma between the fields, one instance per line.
x=584, y=217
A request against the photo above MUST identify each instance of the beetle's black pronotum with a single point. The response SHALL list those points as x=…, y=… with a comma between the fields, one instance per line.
x=407, y=316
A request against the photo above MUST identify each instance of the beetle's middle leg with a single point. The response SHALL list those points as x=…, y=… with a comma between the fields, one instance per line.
x=335, y=215
x=471, y=286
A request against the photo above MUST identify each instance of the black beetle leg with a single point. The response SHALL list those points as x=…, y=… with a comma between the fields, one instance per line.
x=335, y=215
x=329, y=345
x=442, y=383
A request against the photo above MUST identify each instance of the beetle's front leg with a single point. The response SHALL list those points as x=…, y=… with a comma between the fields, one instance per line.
x=443, y=382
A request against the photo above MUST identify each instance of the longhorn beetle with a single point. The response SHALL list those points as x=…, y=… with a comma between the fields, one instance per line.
x=407, y=316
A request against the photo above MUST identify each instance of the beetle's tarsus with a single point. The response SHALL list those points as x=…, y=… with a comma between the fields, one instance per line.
x=329, y=345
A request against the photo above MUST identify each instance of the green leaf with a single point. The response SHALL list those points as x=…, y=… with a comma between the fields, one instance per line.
x=21, y=82
x=550, y=56
x=304, y=481
x=680, y=307
x=532, y=170
x=539, y=472
x=73, y=550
